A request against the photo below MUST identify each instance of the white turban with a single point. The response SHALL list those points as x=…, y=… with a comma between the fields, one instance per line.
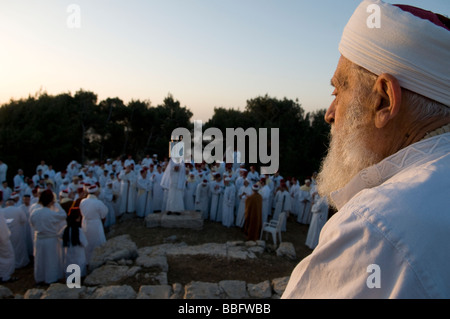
x=414, y=50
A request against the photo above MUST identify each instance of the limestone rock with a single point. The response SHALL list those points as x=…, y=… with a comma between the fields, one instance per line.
x=115, y=249
x=34, y=293
x=286, y=250
x=260, y=290
x=154, y=292
x=202, y=290
x=279, y=284
x=61, y=291
x=114, y=292
x=234, y=289
x=5, y=292
x=110, y=274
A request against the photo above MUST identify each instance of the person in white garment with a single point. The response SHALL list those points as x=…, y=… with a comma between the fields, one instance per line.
x=107, y=197
x=387, y=171
x=294, y=190
x=174, y=181
x=282, y=204
x=189, y=192
x=228, y=205
x=94, y=213
x=18, y=228
x=265, y=193
x=244, y=191
x=144, y=196
x=319, y=211
x=7, y=258
x=304, y=202
x=128, y=180
x=25, y=207
x=202, y=197
x=158, y=191
x=48, y=220
x=74, y=242
x=216, y=189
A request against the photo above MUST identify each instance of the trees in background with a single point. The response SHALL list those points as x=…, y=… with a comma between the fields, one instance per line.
x=64, y=127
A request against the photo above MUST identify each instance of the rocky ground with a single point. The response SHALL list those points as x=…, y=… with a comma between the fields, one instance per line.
x=188, y=268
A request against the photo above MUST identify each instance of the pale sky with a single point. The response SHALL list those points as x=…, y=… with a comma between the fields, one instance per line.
x=206, y=53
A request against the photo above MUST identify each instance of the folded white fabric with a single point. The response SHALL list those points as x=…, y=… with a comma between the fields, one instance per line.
x=415, y=50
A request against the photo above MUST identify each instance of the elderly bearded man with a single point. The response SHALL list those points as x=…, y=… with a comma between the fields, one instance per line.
x=388, y=167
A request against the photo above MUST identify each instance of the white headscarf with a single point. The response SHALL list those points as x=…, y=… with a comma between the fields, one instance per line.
x=414, y=50
x=169, y=172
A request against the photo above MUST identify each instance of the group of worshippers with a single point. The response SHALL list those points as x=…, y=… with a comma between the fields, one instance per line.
x=50, y=236
x=226, y=193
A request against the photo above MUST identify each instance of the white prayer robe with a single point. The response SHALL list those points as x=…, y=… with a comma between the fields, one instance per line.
x=282, y=204
x=319, y=217
x=202, y=196
x=391, y=228
x=266, y=206
x=7, y=259
x=304, y=200
x=107, y=196
x=144, y=196
x=175, y=183
x=93, y=211
x=18, y=228
x=216, y=189
x=243, y=193
x=189, y=195
x=127, y=192
x=76, y=254
x=48, y=225
x=158, y=192
x=229, y=194
x=295, y=193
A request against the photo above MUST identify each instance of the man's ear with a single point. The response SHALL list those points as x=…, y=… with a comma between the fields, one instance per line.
x=388, y=99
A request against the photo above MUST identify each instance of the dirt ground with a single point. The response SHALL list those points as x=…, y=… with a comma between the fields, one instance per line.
x=200, y=268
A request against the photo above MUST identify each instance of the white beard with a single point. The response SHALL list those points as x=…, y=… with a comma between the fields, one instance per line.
x=347, y=153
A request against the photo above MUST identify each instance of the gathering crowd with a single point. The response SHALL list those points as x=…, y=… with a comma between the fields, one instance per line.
x=55, y=219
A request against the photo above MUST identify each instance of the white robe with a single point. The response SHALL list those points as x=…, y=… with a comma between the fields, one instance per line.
x=127, y=192
x=144, y=197
x=295, y=193
x=319, y=217
x=282, y=204
x=48, y=225
x=228, y=205
x=18, y=228
x=76, y=254
x=158, y=192
x=266, y=206
x=107, y=196
x=93, y=211
x=391, y=228
x=304, y=213
x=216, y=189
x=175, y=183
x=244, y=192
x=202, y=197
x=189, y=195
x=7, y=259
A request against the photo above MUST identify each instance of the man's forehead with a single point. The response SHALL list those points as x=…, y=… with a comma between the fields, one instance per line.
x=341, y=74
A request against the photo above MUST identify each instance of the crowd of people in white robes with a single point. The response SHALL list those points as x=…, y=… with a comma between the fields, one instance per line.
x=104, y=192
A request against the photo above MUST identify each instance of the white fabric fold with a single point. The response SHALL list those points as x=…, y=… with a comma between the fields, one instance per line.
x=414, y=50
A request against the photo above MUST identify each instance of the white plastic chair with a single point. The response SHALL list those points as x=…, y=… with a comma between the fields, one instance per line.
x=273, y=227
